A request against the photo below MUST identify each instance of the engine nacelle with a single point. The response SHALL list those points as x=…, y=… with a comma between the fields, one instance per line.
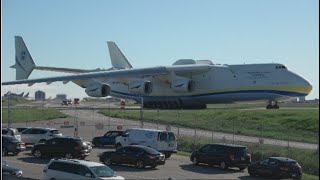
x=98, y=90
x=182, y=85
x=140, y=87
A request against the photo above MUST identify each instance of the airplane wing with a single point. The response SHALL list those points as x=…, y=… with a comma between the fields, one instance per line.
x=68, y=70
x=120, y=74
x=95, y=75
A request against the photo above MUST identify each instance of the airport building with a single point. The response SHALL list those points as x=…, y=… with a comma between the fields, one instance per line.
x=39, y=96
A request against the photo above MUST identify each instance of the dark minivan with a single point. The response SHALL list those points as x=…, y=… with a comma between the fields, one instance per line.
x=276, y=167
x=108, y=139
x=224, y=155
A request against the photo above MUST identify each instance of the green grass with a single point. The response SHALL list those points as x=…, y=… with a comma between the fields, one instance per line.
x=31, y=114
x=308, y=159
x=285, y=124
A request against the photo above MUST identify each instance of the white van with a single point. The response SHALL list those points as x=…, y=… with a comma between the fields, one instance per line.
x=160, y=140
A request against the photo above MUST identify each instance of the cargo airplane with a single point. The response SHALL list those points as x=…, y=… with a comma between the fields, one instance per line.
x=186, y=84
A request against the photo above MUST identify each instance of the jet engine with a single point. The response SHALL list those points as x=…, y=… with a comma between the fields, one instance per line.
x=140, y=87
x=98, y=90
x=182, y=85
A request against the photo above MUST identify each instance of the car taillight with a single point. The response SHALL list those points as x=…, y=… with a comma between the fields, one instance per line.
x=249, y=156
x=232, y=157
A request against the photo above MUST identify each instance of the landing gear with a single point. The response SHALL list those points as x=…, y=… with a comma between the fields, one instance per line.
x=272, y=105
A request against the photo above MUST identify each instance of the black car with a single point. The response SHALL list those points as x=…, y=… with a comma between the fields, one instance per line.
x=137, y=155
x=9, y=170
x=276, y=167
x=224, y=155
x=108, y=139
x=68, y=147
x=11, y=144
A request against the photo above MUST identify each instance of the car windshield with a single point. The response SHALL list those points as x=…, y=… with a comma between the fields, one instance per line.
x=54, y=131
x=103, y=171
x=150, y=150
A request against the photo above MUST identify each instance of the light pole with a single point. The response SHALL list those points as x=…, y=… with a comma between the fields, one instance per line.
x=9, y=120
x=141, y=111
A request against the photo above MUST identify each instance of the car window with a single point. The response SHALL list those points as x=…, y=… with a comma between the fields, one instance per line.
x=27, y=131
x=54, y=132
x=103, y=171
x=264, y=162
x=107, y=134
x=82, y=170
x=273, y=162
x=163, y=136
x=4, y=131
x=150, y=150
x=205, y=148
x=172, y=137
x=114, y=134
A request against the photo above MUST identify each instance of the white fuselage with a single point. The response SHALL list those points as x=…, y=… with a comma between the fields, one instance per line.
x=225, y=83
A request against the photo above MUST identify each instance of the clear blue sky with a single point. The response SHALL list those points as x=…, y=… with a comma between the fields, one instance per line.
x=73, y=33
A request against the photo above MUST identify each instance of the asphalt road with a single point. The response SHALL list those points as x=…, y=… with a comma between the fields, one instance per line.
x=176, y=167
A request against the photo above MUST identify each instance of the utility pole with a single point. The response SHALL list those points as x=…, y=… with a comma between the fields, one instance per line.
x=141, y=112
x=9, y=119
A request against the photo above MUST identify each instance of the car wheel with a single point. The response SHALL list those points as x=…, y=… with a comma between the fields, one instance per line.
x=153, y=166
x=107, y=161
x=16, y=153
x=251, y=172
x=4, y=151
x=241, y=168
x=68, y=156
x=37, y=153
x=223, y=165
x=168, y=155
x=195, y=161
x=140, y=164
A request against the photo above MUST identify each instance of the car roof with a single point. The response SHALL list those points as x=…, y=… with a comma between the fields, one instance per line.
x=153, y=130
x=77, y=161
x=283, y=159
x=229, y=145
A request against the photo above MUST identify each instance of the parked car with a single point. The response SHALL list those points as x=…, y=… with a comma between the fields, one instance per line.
x=9, y=170
x=137, y=155
x=108, y=139
x=276, y=167
x=77, y=169
x=68, y=147
x=11, y=132
x=224, y=155
x=11, y=144
x=38, y=134
x=160, y=140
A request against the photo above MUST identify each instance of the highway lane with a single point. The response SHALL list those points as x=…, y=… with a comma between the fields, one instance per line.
x=176, y=167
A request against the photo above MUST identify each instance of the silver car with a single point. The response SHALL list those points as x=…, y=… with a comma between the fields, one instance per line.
x=11, y=132
x=38, y=134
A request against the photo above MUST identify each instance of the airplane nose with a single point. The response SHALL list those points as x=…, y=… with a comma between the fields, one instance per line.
x=306, y=85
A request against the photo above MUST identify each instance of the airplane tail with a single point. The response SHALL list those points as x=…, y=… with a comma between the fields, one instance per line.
x=24, y=62
x=21, y=95
x=118, y=60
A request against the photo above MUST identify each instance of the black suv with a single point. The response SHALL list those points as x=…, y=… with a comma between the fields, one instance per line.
x=277, y=167
x=224, y=155
x=11, y=144
x=138, y=155
x=108, y=139
x=68, y=147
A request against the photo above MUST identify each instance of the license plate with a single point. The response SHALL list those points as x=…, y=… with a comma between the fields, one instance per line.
x=242, y=158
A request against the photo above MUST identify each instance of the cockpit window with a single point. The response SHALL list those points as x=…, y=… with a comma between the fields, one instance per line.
x=281, y=67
